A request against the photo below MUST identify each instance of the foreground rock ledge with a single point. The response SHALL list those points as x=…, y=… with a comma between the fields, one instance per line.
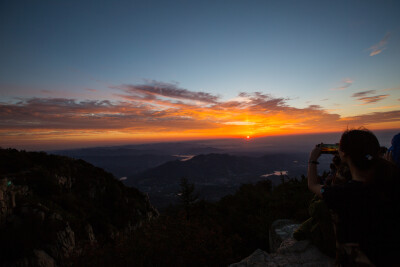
x=290, y=252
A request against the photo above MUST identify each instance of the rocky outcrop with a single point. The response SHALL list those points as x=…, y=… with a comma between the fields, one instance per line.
x=289, y=252
x=90, y=234
x=63, y=245
x=42, y=259
x=281, y=230
x=52, y=208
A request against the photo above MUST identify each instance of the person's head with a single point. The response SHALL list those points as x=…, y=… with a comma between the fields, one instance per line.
x=395, y=149
x=361, y=147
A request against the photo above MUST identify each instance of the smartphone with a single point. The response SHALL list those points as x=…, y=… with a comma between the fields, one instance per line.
x=329, y=148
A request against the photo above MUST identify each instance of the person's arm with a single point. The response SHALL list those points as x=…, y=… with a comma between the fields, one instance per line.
x=312, y=175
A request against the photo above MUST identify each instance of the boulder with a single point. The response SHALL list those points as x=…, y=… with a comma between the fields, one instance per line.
x=90, y=234
x=281, y=230
x=289, y=252
x=257, y=258
x=64, y=243
x=42, y=259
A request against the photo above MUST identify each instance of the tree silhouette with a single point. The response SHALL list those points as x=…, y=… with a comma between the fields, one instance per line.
x=187, y=195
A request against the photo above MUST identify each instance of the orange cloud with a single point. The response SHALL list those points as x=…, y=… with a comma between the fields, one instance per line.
x=386, y=107
x=166, y=112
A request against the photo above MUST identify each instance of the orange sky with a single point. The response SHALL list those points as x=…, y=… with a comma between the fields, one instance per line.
x=168, y=114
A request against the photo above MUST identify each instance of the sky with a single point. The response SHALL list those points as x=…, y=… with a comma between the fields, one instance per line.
x=85, y=73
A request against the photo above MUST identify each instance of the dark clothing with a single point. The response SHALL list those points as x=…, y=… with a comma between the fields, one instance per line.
x=367, y=217
x=395, y=149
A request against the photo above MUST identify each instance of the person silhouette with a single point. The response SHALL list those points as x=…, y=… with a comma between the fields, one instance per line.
x=366, y=207
x=393, y=153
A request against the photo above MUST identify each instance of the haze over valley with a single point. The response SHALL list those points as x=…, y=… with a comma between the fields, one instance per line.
x=216, y=167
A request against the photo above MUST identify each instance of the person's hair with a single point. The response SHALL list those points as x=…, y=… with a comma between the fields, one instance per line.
x=343, y=174
x=361, y=146
x=336, y=160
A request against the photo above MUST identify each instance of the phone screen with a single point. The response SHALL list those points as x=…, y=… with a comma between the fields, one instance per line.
x=329, y=148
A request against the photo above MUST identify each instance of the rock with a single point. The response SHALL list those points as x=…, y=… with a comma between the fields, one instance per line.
x=42, y=259
x=258, y=258
x=90, y=234
x=281, y=230
x=304, y=252
x=3, y=200
x=60, y=231
x=290, y=252
x=64, y=244
x=39, y=215
x=55, y=217
x=64, y=182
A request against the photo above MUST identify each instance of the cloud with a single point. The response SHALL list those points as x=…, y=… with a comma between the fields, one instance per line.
x=372, y=99
x=346, y=83
x=91, y=90
x=363, y=97
x=239, y=123
x=379, y=47
x=166, y=110
x=364, y=93
x=316, y=107
x=376, y=117
x=157, y=89
x=69, y=114
x=375, y=52
x=386, y=107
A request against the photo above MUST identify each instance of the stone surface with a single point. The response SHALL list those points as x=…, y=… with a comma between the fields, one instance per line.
x=258, y=258
x=42, y=259
x=290, y=252
x=60, y=234
x=90, y=234
x=281, y=230
x=64, y=243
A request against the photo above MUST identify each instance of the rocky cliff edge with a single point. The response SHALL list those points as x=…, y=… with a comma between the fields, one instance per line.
x=286, y=251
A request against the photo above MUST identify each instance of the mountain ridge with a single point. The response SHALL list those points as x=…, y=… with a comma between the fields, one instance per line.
x=52, y=207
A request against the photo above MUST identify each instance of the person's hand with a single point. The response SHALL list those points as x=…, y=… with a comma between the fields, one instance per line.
x=315, y=153
x=388, y=156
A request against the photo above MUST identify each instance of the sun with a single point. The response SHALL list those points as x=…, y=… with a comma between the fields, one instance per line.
x=248, y=137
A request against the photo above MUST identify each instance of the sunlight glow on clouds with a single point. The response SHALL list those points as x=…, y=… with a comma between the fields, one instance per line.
x=372, y=99
x=379, y=47
x=160, y=111
x=363, y=97
x=386, y=107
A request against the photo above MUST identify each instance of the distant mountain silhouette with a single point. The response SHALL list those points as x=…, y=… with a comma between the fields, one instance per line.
x=214, y=175
x=132, y=159
x=211, y=168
